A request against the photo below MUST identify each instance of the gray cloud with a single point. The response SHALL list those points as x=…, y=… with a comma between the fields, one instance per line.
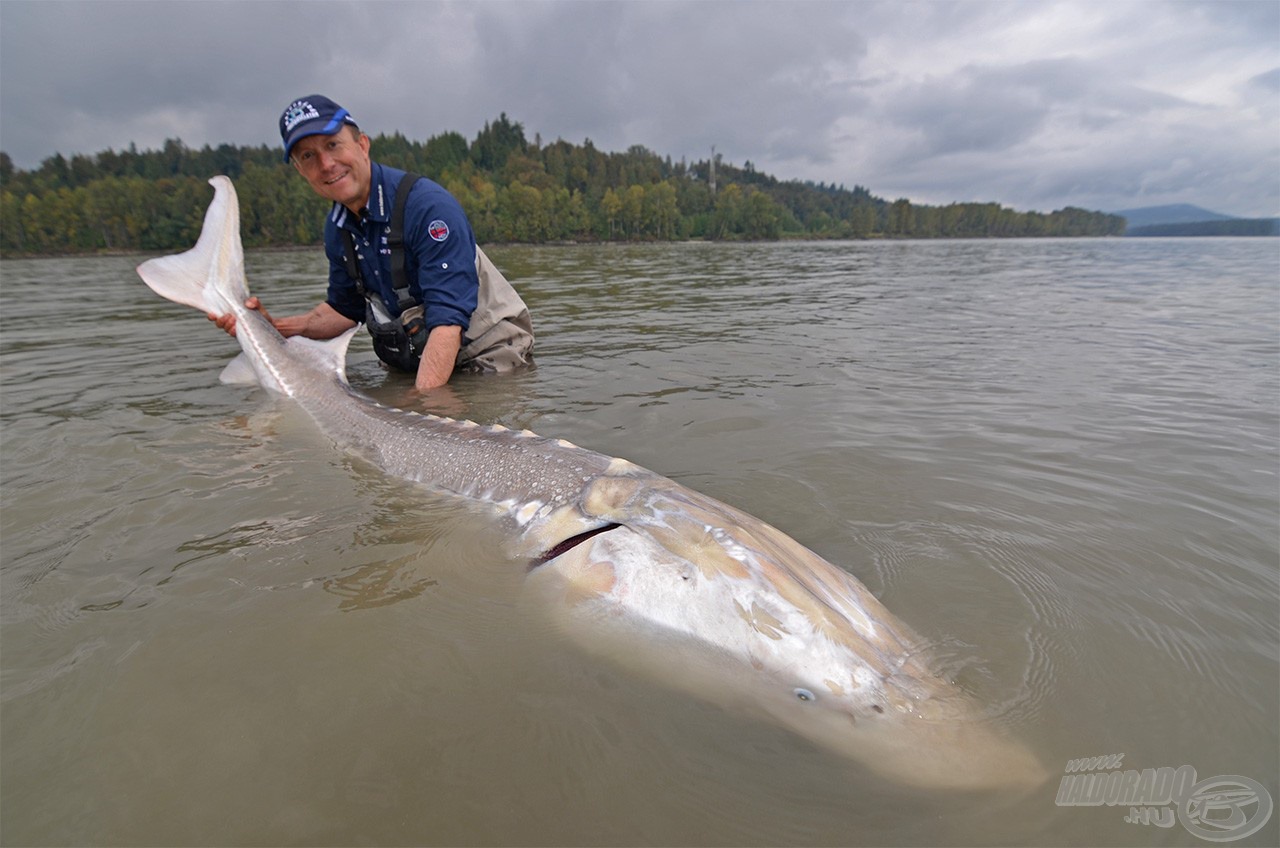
x=1268, y=81
x=1032, y=105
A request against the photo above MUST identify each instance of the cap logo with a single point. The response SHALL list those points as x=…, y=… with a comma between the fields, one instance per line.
x=299, y=111
x=438, y=230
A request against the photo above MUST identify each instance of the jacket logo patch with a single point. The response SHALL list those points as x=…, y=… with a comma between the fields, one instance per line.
x=438, y=230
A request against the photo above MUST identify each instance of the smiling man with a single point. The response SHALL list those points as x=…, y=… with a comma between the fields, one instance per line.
x=405, y=263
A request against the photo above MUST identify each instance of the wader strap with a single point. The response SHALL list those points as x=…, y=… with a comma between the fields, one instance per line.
x=395, y=241
x=353, y=267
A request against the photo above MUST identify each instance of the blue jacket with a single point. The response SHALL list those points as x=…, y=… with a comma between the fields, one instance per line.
x=440, y=252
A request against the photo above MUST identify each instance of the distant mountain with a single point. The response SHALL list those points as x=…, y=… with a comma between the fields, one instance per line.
x=1229, y=227
x=1178, y=213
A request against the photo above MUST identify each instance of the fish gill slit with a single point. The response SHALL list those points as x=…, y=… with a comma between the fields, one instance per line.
x=569, y=544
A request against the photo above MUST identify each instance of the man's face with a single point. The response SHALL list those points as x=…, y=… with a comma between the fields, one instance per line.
x=336, y=166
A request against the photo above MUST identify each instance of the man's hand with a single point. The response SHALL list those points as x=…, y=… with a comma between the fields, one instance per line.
x=227, y=322
x=322, y=322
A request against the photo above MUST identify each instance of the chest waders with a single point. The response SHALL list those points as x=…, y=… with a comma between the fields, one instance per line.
x=397, y=341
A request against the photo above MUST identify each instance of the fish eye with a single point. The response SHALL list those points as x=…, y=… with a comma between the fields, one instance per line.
x=804, y=694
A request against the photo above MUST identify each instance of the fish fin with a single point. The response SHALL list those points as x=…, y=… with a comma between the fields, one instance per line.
x=239, y=373
x=210, y=274
x=330, y=354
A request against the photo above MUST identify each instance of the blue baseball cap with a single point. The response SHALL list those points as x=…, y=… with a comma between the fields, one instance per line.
x=312, y=115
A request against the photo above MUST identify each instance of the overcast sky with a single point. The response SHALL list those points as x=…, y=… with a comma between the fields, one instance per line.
x=1036, y=105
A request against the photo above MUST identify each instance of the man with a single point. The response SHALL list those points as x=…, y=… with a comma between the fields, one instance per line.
x=456, y=312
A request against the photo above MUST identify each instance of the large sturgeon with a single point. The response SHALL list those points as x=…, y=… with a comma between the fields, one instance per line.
x=639, y=568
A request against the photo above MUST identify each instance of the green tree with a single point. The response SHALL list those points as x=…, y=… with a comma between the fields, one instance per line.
x=633, y=211
x=567, y=216
x=862, y=220
x=13, y=237
x=521, y=215
x=611, y=208
x=760, y=216
x=901, y=219
x=444, y=152
x=727, y=219
x=662, y=211
x=496, y=142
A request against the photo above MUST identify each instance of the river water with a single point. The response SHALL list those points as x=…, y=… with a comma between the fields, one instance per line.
x=1056, y=460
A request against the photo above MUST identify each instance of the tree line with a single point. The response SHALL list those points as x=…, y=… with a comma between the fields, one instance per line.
x=513, y=190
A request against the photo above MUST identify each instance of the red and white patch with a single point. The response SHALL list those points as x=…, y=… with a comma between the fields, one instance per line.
x=438, y=230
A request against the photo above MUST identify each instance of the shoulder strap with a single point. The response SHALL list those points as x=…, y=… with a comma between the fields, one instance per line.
x=395, y=241
x=353, y=267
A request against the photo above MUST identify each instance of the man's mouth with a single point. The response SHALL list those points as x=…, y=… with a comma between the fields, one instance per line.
x=335, y=179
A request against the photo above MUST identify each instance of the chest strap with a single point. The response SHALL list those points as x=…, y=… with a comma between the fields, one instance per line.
x=395, y=242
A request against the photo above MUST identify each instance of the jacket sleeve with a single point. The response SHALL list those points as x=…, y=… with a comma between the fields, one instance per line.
x=439, y=241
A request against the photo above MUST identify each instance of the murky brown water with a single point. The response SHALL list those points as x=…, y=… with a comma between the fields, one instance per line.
x=1056, y=459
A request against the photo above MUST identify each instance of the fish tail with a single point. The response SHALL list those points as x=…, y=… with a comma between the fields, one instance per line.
x=209, y=276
